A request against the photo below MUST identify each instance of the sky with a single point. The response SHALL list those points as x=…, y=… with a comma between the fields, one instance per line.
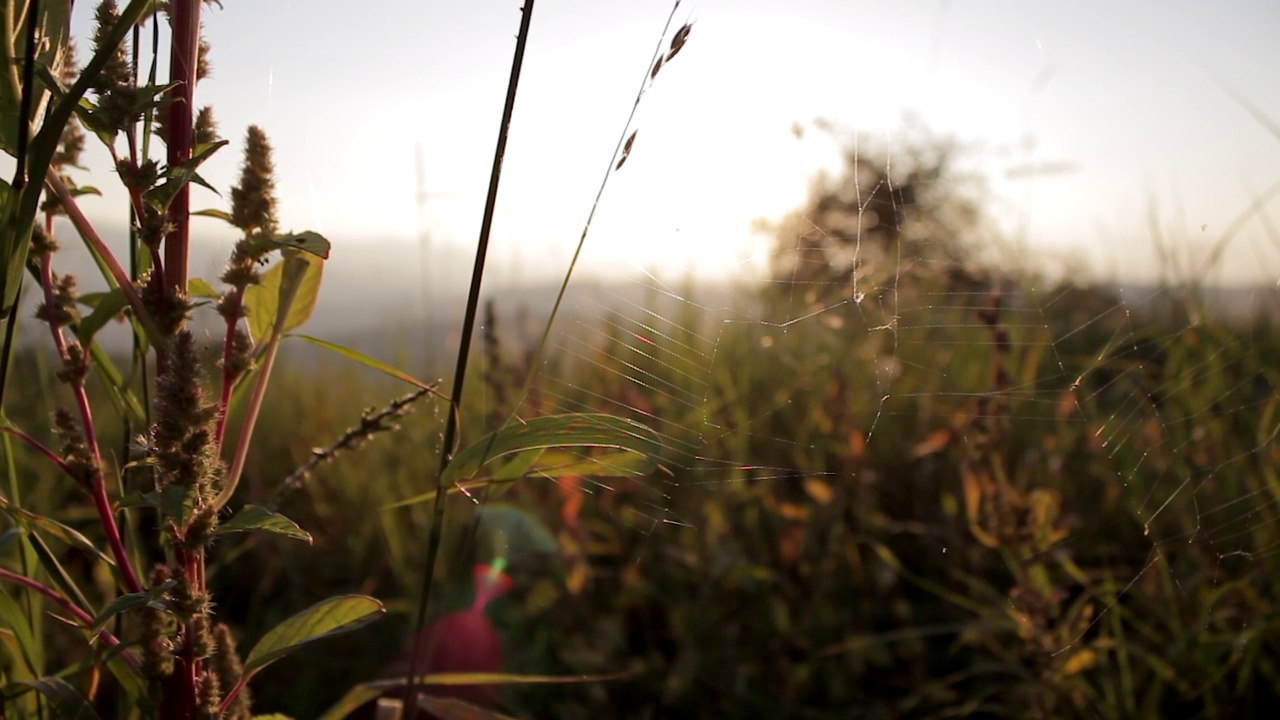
x=1119, y=98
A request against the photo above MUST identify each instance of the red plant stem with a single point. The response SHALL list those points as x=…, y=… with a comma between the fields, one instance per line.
x=83, y=617
x=251, y=415
x=185, y=47
x=229, y=376
x=40, y=448
x=91, y=237
x=98, y=487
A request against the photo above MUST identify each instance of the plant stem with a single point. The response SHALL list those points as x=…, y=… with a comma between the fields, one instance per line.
x=95, y=242
x=98, y=483
x=229, y=374
x=184, y=49
x=250, y=420
x=40, y=448
x=83, y=617
x=464, y=347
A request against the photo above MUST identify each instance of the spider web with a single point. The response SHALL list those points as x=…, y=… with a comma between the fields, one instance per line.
x=1117, y=438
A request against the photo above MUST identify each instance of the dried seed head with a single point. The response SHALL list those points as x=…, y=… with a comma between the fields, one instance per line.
x=678, y=41
x=75, y=451
x=226, y=664
x=157, y=631
x=209, y=697
x=115, y=74
x=75, y=365
x=206, y=127
x=202, y=59
x=183, y=432
x=626, y=149
x=656, y=67
x=42, y=244
x=63, y=310
x=253, y=200
x=241, y=356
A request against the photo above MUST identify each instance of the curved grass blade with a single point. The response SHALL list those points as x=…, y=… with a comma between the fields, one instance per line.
x=555, y=431
x=366, y=691
x=366, y=360
x=65, y=701
x=581, y=430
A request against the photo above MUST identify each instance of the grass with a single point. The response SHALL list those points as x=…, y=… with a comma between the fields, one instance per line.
x=910, y=487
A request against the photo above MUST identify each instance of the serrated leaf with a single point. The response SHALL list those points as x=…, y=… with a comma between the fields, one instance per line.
x=65, y=701
x=254, y=518
x=293, y=282
x=325, y=618
x=130, y=601
x=308, y=242
x=367, y=361
x=199, y=287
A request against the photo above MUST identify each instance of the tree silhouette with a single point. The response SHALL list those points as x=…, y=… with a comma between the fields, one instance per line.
x=897, y=211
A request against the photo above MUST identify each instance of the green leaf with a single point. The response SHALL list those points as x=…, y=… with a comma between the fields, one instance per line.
x=309, y=242
x=518, y=466
x=455, y=709
x=64, y=533
x=560, y=463
x=555, y=431
x=253, y=518
x=582, y=430
x=152, y=596
x=124, y=400
x=213, y=213
x=365, y=360
x=178, y=503
x=107, y=307
x=199, y=287
x=366, y=691
x=294, y=284
x=65, y=701
x=17, y=221
x=15, y=619
x=179, y=175
x=325, y=618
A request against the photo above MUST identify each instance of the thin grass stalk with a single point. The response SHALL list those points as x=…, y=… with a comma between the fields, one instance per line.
x=540, y=353
x=435, y=530
x=28, y=95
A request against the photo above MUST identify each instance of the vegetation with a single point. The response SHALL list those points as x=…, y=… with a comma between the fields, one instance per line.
x=911, y=483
